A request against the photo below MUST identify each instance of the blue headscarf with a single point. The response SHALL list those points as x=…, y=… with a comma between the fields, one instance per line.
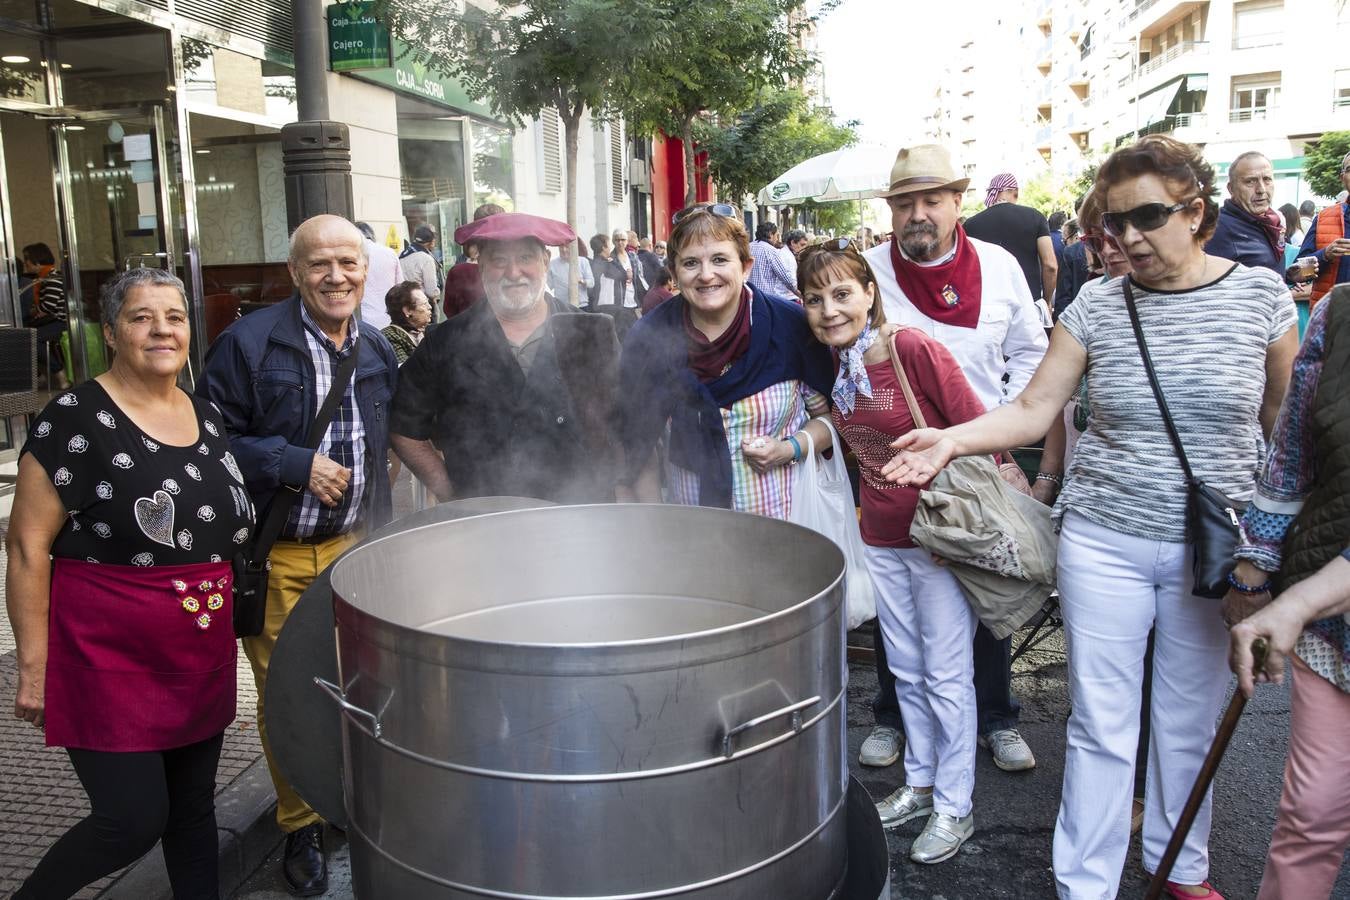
x=852, y=379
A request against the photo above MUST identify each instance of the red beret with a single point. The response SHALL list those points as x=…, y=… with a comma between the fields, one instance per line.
x=513, y=226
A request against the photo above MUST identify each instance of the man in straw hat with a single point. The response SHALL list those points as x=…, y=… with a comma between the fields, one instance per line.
x=512, y=397
x=971, y=296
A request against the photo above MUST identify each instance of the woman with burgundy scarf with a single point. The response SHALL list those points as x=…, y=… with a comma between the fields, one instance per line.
x=727, y=377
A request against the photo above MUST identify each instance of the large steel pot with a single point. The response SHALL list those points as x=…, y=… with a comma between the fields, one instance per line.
x=619, y=701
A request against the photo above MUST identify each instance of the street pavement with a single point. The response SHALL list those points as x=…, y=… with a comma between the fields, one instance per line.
x=1009, y=856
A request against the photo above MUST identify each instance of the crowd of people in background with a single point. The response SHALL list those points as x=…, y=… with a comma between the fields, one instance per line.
x=1154, y=340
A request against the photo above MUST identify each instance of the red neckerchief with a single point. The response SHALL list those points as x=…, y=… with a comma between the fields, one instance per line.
x=710, y=359
x=948, y=293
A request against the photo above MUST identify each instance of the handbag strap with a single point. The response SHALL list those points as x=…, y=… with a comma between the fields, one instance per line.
x=913, y=404
x=282, y=501
x=1153, y=383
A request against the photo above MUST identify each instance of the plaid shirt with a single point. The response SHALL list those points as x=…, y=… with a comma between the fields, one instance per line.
x=344, y=442
x=772, y=274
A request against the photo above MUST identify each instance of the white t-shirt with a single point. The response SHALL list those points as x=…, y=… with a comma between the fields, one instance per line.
x=383, y=272
x=1009, y=338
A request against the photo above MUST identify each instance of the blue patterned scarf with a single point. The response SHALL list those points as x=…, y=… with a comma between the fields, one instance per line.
x=852, y=378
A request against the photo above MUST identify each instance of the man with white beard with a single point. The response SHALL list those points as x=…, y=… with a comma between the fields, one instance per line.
x=513, y=397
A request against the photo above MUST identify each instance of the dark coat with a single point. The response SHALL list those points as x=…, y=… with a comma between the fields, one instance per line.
x=502, y=433
x=260, y=375
x=1241, y=237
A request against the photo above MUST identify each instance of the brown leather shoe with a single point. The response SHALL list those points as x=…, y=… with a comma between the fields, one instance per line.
x=303, y=865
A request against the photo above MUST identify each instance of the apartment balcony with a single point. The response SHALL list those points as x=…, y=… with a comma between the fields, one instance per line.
x=1255, y=41
x=1252, y=114
x=1167, y=65
x=1045, y=54
x=1150, y=17
x=1043, y=135
x=1193, y=128
x=1045, y=15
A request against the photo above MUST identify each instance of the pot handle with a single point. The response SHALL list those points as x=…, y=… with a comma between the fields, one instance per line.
x=794, y=710
x=340, y=697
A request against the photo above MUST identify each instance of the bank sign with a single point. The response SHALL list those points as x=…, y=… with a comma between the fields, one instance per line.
x=408, y=75
x=356, y=38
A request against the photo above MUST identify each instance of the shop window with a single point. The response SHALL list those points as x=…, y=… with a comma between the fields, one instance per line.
x=1254, y=97
x=550, y=152
x=22, y=69
x=615, y=163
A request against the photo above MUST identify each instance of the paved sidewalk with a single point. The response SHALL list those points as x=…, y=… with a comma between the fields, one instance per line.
x=40, y=797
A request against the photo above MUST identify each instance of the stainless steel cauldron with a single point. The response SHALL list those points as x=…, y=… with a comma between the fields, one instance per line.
x=619, y=701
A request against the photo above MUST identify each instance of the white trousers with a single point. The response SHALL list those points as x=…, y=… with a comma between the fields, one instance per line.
x=928, y=627
x=1113, y=588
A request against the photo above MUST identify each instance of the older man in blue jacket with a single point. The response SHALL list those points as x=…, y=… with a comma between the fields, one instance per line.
x=269, y=374
x=1250, y=230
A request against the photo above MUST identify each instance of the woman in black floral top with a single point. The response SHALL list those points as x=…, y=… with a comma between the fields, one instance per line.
x=128, y=510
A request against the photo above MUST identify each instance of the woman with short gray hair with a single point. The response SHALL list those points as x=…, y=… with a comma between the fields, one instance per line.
x=127, y=512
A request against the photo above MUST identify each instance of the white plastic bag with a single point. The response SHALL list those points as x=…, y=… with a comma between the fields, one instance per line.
x=822, y=500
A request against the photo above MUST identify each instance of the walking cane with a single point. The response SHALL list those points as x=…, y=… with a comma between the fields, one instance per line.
x=1206, y=776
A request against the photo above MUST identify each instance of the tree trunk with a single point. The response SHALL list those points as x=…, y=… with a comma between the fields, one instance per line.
x=571, y=129
x=687, y=136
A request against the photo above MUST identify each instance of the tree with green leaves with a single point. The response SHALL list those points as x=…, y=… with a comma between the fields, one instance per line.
x=1322, y=162
x=532, y=55
x=781, y=129
x=712, y=59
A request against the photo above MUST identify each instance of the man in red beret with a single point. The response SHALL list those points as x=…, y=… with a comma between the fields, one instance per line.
x=512, y=397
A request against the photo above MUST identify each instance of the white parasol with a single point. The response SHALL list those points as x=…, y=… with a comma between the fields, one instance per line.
x=858, y=173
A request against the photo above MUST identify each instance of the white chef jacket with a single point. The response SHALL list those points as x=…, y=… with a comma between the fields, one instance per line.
x=1009, y=338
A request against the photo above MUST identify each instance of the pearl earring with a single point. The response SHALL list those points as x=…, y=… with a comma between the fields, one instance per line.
x=1193, y=228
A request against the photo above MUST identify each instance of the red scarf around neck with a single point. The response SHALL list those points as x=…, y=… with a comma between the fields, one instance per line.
x=948, y=293
x=710, y=359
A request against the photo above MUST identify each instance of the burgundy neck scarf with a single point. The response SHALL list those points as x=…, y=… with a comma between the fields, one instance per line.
x=710, y=359
x=948, y=293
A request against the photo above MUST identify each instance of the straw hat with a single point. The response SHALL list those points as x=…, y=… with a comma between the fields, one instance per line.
x=925, y=167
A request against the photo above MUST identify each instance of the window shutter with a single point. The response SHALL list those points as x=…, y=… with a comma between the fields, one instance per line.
x=615, y=163
x=550, y=152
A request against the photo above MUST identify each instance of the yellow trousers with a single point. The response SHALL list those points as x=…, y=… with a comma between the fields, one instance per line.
x=294, y=567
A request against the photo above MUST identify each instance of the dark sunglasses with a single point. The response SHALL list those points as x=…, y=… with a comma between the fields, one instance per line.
x=1093, y=240
x=1148, y=217
x=717, y=209
x=837, y=245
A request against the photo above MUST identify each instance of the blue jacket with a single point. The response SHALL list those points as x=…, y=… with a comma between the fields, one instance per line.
x=259, y=374
x=1241, y=237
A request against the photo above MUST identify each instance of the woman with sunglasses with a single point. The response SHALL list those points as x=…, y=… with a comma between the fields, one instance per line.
x=926, y=623
x=727, y=377
x=1222, y=338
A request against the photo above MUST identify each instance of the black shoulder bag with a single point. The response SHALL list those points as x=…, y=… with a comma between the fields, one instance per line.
x=251, y=567
x=1211, y=517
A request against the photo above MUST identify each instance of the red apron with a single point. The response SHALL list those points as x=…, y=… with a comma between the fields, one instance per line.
x=139, y=658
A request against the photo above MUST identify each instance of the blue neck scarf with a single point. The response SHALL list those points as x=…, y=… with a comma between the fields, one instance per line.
x=852, y=378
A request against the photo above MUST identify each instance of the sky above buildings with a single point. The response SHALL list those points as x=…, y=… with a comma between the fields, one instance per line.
x=883, y=58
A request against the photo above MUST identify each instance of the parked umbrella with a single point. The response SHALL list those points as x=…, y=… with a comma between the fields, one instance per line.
x=1206, y=776
x=857, y=173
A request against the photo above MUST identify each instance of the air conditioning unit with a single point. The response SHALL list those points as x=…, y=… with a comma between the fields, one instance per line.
x=639, y=175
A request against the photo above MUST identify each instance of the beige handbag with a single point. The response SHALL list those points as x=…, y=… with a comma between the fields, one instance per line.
x=996, y=539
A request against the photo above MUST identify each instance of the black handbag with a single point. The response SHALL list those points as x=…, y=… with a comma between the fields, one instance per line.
x=1212, y=518
x=252, y=567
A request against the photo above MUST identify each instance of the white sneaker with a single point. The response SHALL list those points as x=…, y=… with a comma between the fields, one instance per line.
x=941, y=837
x=904, y=805
x=1010, y=752
x=882, y=747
